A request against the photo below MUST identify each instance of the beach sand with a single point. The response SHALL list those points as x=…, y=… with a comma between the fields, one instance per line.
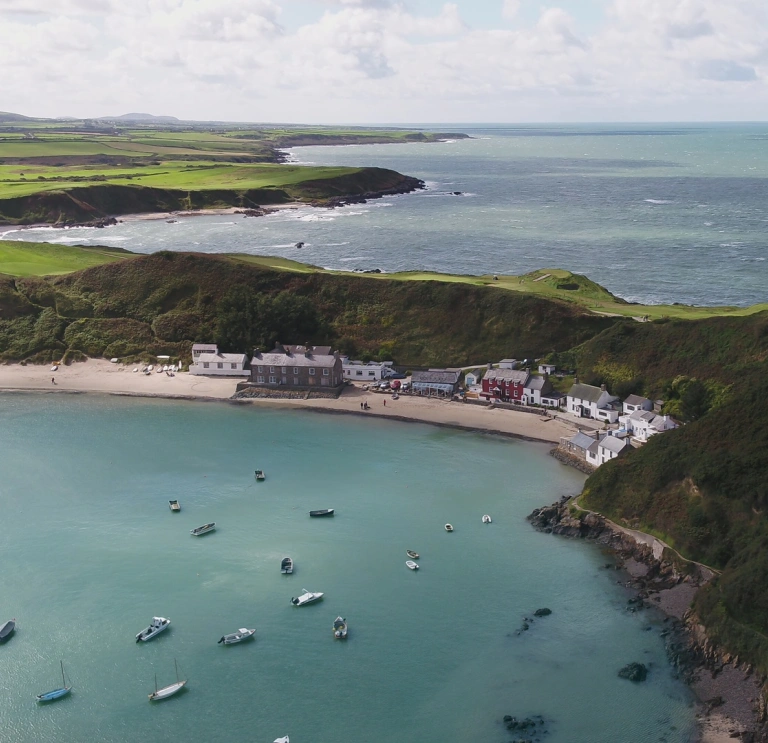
x=101, y=376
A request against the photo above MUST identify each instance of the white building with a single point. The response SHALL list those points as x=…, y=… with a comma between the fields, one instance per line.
x=607, y=448
x=508, y=364
x=553, y=400
x=471, y=378
x=365, y=371
x=642, y=424
x=212, y=363
x=546, y=368
x=587, y=401
x=635, y=402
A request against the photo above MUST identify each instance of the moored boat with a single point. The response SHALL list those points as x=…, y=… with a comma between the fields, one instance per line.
x=157, y=625
x=285, y=739
x=239, y=636
x=167, y=691
x=260, y=475
x=340, y=628
x=322, y=512
x=412, y=565
x=7, y=629
x=486, y=519
x=307, y=597
x=413, y=555
x=204, y=529
x=62, y=691
x=174, y=506
x=286, y=565
x=448, y=527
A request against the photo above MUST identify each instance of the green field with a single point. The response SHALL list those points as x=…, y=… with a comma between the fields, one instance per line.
x=46, y=259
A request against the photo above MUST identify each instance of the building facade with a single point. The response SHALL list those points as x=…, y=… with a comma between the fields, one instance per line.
x=585, y=400
x=505, y=385
x=438, y=382
x=365, y=371
x=301, y=367
x=213, y=363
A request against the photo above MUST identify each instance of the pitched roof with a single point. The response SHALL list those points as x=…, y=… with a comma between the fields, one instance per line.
x=636, y=400
x=581, y=440
x=435, y=376
x=537, y=383
x=643, y=415
x=586, y=392
x=205, y=347
x=296, y=356
x=613, y=443
x=230, y=358
x=508, y=375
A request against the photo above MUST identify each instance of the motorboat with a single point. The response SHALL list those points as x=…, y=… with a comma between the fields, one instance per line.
x=260, y=475
x=286, y=565
x=322, y=512
x=204, y=529
x=167, y=691
x=174, y=505
x=486, y=519
x=448, y=527
x=412, y=565
x=7, y=629
x=308, y=597
x=156, y=626
x=413, y=555
x=340, y=628
x=62, y=691
x=239, y=636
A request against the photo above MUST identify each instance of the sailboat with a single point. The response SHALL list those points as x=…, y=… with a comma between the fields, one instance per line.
x=167, y=691
x=49, y=696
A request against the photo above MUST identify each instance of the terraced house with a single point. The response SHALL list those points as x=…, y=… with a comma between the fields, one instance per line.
x=301, y=367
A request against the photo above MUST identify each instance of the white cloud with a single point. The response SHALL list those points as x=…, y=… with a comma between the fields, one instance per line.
x=380, y=60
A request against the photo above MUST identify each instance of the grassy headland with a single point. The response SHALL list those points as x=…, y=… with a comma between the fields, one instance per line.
x=65, y=172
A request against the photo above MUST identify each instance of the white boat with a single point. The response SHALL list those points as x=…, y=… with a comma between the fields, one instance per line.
x=49, y=696
x=285, y=739
x=286, y=565
x=340, y=628
x=204, y=529
x=167, y=691
x=55, y=367
x=448, y=527
x=486, y=519
x=412, y=565
x=239, y=636
x=413, y=555
x=307, y=597
x=157, y=625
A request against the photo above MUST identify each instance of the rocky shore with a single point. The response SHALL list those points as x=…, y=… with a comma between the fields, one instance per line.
x=731, y=694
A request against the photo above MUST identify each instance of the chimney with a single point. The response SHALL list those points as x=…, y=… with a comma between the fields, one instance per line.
x=279, y=347
x=575, y=380
x=603, y=387
x=489, y=366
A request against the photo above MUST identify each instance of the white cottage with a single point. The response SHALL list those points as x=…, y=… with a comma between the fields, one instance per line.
x=635, y=402
x=535, y=388
x=642, y=424
x=607, y=448
x=215, y=364
x=588, y=401
x=472, y=378
x=365, y=371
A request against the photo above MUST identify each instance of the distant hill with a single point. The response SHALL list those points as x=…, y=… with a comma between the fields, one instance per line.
x=140, y=117
x=7, y=116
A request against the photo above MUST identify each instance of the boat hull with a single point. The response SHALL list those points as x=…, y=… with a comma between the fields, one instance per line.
x=286, y=566
x=412, y=565
x=413, y=555
x=322, y=512
x=166, y=691
x=340, y=628
x=51, y=696
x=204, y=529
x=236, y=637
x=7, y=630
x=306, y=598
x=149, y=633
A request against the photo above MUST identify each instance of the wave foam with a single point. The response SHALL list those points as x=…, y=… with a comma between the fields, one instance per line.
x=658, y=201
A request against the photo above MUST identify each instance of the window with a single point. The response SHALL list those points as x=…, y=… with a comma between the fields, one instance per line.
x=260, y=380
x=271, y=369
x=285, y=370
x=295, y=369
x=359, y=373
x=311, y=371
x=220, y=365
x=371, y=373
x=326, y=372
x=285, y=380
x=233, y=366
x=205, y=364
x=273, y=380
x=296, y=380
x=261, y=368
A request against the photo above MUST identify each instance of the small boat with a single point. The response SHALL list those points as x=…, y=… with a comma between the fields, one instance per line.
x=239, y=636
x=486, y=519
x=412, y=565
x=204, y=529
x=7, y=629
x=413, y=555
x=157, y=625
x=49, y=696
x=322, y=512
x=174, y=505
x=167, y=691
x=260, y=475
x=308, y=597
x=448, y=527
x=284, y=739
x=286, y=565
x=340, y=628
x=55, y=367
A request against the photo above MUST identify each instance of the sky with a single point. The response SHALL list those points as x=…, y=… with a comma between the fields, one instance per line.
x=387, y=61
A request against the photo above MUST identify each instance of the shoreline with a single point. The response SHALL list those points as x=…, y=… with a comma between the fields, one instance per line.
x=727, y=694
x=97, y=376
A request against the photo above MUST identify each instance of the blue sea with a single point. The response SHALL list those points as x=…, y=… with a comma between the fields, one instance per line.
x=656, y=213
x=90, y=552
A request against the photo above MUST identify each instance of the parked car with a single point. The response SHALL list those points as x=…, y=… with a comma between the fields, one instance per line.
x=393, y=375
x=383, y=385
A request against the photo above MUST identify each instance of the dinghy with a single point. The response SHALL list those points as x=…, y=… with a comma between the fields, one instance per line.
x=412, y=565
x=486, y=519
x=340, y=628
x=322, y=512
x=174, y=506
x=204, y=529
x=448, y=527
x=413, y=555
x=260, y=475
x=286, y=566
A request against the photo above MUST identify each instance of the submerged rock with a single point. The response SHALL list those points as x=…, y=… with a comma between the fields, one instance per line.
x=634, y=672
x=542, y=612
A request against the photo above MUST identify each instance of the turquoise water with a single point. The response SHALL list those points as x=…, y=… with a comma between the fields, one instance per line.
x=656, y=213
x=90, y=551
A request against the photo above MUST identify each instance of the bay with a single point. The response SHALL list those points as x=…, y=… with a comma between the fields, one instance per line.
x=90, y=551
x=656, y=213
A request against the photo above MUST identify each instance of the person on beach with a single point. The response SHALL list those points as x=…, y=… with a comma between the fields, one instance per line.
x=53, y=380
x=385, y=403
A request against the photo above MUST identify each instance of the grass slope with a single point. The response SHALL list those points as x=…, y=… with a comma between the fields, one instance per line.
x=42, y=259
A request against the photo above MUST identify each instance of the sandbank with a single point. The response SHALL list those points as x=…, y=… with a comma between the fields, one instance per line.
x=100, y=376
x=213, y=212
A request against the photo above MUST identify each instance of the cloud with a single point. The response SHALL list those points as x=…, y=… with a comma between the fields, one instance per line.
x=510, y=9
x=724, y=70
x=690, y=30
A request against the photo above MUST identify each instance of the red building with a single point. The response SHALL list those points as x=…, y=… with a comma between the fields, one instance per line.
x=506, y=385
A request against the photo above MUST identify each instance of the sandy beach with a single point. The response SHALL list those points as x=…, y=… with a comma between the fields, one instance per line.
x=99, y=376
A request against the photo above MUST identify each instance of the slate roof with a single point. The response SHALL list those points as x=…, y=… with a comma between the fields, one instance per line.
x=581, y=441
x=229, y=358
x=208, y=347
x=435, y=376
x=509, y=375
x=644, y=415
x=311, y=356
x=536, y=383
x=636, y=400
x=585, y=392
x=614, y=444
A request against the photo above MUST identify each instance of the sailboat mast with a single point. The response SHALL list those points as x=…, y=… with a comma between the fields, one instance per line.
x=175, y=665
x=155, y=683
x=63, y=682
